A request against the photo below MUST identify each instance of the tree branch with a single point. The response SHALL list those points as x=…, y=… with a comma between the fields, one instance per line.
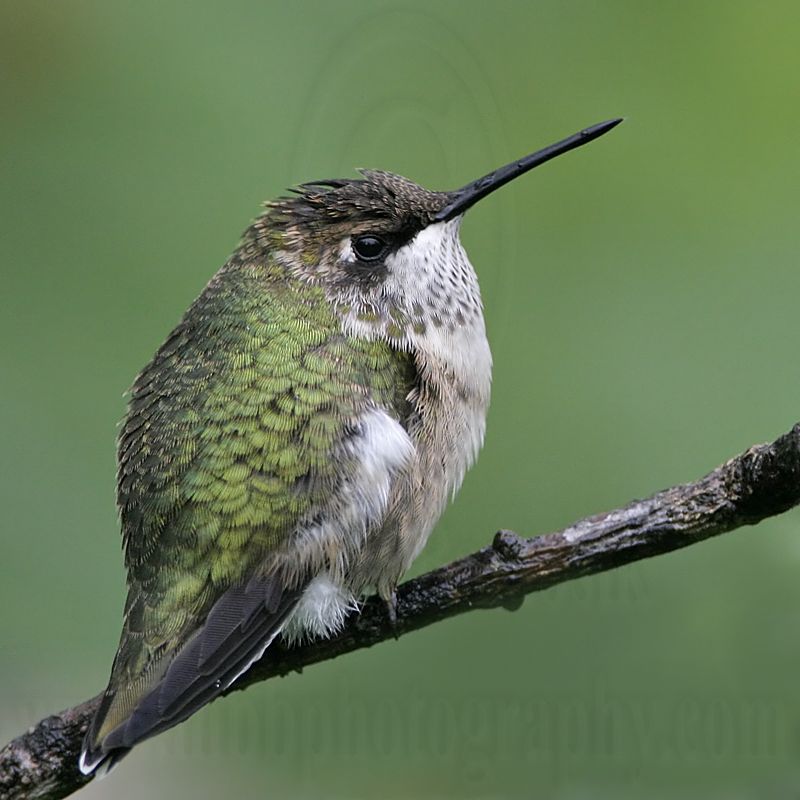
x=761, y=482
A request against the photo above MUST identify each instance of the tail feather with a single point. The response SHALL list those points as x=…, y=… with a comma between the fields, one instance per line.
x=240, y=626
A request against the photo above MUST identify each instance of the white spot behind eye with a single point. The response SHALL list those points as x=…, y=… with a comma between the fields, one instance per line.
x=346, y=250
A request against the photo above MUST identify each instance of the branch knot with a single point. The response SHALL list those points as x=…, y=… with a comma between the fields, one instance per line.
x=508, y=544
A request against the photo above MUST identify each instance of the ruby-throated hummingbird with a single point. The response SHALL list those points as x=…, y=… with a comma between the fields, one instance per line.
x=297, y=436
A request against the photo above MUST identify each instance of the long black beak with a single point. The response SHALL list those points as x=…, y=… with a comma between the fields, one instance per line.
x=462, y=199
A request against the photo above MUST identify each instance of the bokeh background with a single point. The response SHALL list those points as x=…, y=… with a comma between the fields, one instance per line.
x=642, y=303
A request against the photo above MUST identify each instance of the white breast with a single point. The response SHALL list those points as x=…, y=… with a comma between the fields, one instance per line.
x=428, y=304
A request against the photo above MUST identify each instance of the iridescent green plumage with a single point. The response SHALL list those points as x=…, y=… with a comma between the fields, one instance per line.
x=231, y=443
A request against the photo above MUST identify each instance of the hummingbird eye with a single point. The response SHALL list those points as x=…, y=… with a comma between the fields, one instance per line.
x=369, y=247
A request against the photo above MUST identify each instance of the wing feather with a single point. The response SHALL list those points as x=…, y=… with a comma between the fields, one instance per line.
x=236, y=440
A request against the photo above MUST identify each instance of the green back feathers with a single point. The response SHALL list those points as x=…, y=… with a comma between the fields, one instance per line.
x=228, y=445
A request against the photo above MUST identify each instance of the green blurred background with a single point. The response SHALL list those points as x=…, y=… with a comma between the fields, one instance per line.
x=641, y=298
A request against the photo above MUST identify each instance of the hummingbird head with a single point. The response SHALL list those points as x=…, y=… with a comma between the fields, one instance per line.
x=387, y=251
x=348, y=231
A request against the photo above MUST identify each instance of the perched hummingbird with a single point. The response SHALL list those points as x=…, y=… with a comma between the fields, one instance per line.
x=296, y=438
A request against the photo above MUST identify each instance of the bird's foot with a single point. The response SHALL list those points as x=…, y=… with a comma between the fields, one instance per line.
x=391, y=610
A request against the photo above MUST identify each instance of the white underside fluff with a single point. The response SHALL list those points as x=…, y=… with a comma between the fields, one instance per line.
x=321, y=611
x=381, y=451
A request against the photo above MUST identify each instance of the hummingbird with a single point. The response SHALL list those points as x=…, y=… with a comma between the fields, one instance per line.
x=295, y=439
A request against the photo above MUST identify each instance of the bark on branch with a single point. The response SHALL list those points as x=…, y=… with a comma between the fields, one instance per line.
x=759, y=483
